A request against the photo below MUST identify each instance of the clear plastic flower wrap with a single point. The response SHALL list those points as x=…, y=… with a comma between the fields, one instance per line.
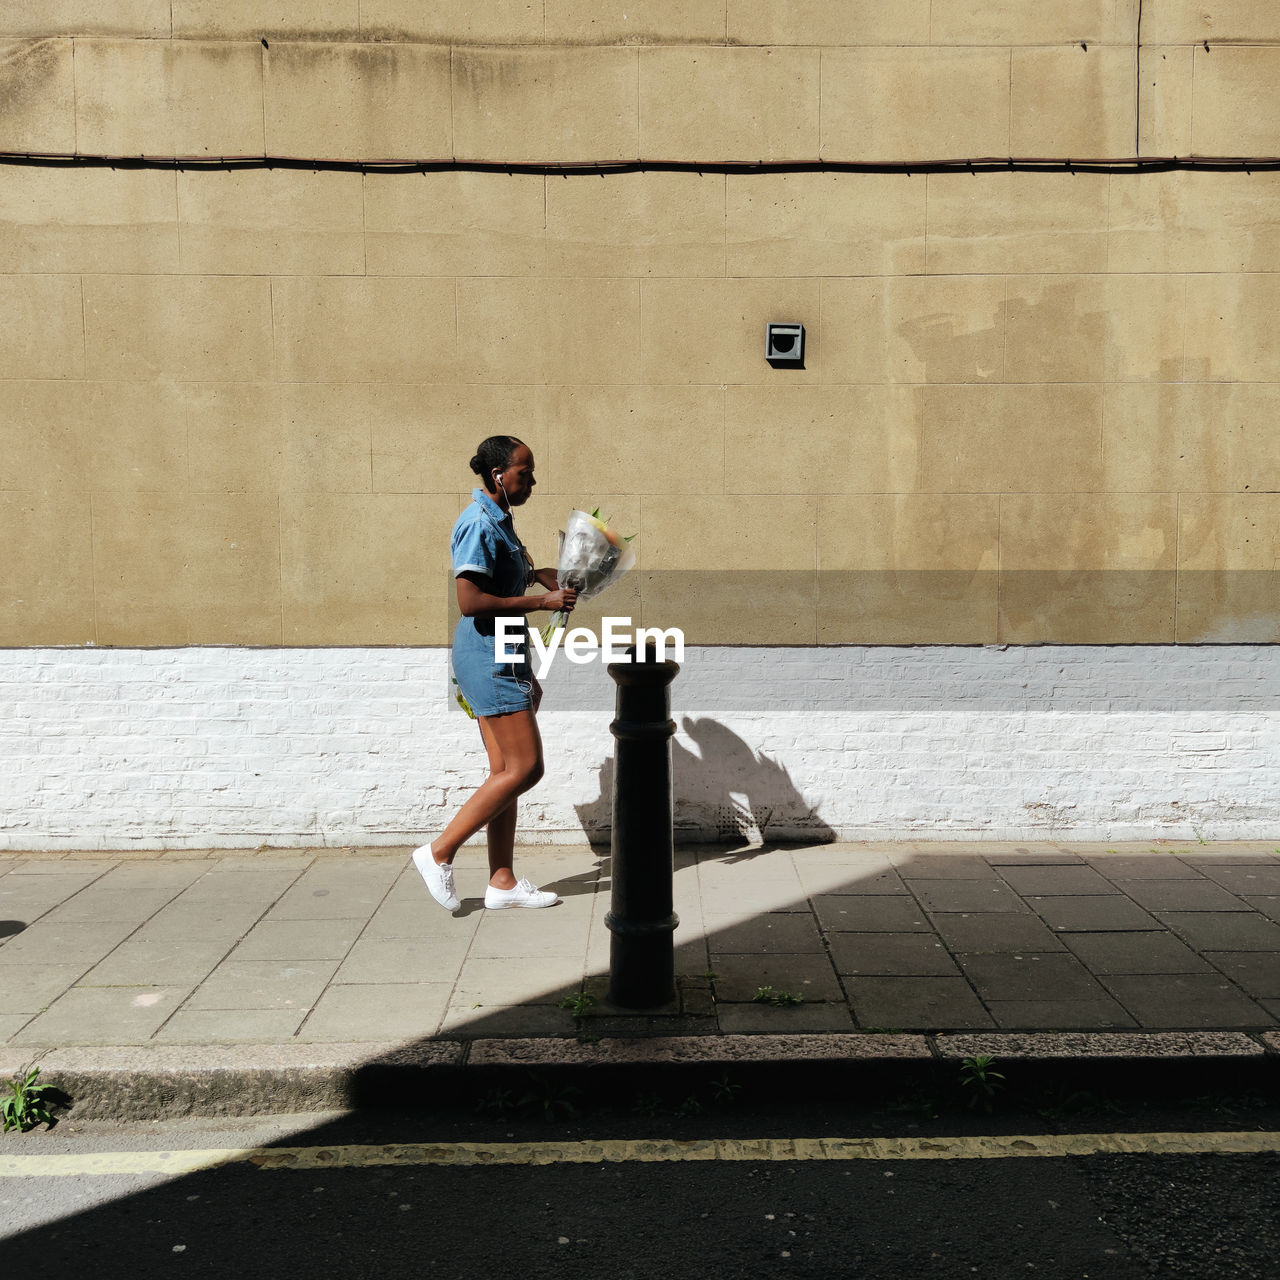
x=592, y=557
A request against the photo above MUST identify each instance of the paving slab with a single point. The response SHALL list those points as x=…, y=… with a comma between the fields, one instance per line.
x=1206, y=1000
x=103, y=1015
x=65, y=865
x=909, y=1003
x=531, y=936
x=738, y=978
x=1223, y=930
x=1029, y=977
x=299, y=940
x=1023, y=856
x=337, y=890
x=1154, y=866
x=230, y=1026
x=470, y=1021
x=27, y=898
x=263, y=984
x=1072, y=881
x=885, y=954
x=1099, y=1013
x=1246, y=881
x=770, y=934
x=1257, y=973
x=839, y=878
x=1093, y=914
x=874, y=914
x=488, y=982
x=179, y=925
x=983, y=932
x=1134, y=953
x=1269, y=907
x=379, y=1011
x=1183, y=895
x=967, y=895
x=761, y=1019
x=913, y=866
x=65, y=942
x=11, y=1024
x=148, y=962
x=29, y=989
x=400, y=960
x=1233, y=856
x=98, y=905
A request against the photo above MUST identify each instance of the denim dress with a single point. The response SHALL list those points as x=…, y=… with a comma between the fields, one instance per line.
x=484, y=541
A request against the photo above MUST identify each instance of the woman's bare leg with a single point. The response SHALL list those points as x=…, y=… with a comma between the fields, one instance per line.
x=501, y=835
x=515, y=764
x=500, y=831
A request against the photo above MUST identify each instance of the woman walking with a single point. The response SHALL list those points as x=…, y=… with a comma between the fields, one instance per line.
x=492, y=571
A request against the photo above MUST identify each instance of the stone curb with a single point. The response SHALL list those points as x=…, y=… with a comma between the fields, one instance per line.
x=136, y=1082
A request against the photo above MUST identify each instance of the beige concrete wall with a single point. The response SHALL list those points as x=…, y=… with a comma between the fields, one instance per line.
x=969, y=90
x=236, y=405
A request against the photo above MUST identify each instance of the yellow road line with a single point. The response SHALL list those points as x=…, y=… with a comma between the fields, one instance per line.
x=655, y=1150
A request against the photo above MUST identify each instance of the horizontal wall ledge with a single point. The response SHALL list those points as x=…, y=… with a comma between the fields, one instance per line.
x=852, y=22
x=341, y=99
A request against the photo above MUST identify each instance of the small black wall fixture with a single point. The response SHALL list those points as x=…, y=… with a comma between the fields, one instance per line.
x=784, y=345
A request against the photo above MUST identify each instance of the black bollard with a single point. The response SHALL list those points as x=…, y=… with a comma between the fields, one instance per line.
x=641, y=920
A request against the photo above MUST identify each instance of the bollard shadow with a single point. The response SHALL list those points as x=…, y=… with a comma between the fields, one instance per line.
x=10, y=927
x=725, y=793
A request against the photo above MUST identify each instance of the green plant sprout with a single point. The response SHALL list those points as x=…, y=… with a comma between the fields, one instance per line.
x=548, y=1100
x=981, y=1081
x=578, y=1004
x=725, y=1091
x=28, y=1102
x=767, y=995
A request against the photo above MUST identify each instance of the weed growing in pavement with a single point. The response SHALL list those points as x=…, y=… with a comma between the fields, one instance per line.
x=767, y=995
x=497, y=1102
x=28, y=1103
x=719, y=1093
x=1061, y=1103
x=724, y=1091
x=549, y=1100
x=922, y=1105
x=647, y=1105
x=983, y=1084
x=578, y=1004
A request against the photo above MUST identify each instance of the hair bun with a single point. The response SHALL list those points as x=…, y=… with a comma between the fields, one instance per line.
x=476, y=465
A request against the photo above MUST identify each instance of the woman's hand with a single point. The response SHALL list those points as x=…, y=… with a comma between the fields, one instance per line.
x=560, y=600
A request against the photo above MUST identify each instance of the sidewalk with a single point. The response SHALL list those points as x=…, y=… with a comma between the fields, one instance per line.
x=188, y=957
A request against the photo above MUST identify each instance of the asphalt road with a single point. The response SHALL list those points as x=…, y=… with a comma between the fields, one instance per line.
x=1139, y=1215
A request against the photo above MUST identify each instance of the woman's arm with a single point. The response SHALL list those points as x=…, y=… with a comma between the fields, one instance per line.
x=476, y=599
x=546, y=578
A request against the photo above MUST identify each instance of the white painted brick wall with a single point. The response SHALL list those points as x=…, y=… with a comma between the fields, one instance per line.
x=239, y=747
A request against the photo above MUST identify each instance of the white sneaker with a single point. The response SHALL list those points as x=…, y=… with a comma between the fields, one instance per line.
x=523, y=895
x=439, y=877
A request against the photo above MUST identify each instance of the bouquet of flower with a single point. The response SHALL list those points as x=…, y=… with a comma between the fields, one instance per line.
x=592, y=556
